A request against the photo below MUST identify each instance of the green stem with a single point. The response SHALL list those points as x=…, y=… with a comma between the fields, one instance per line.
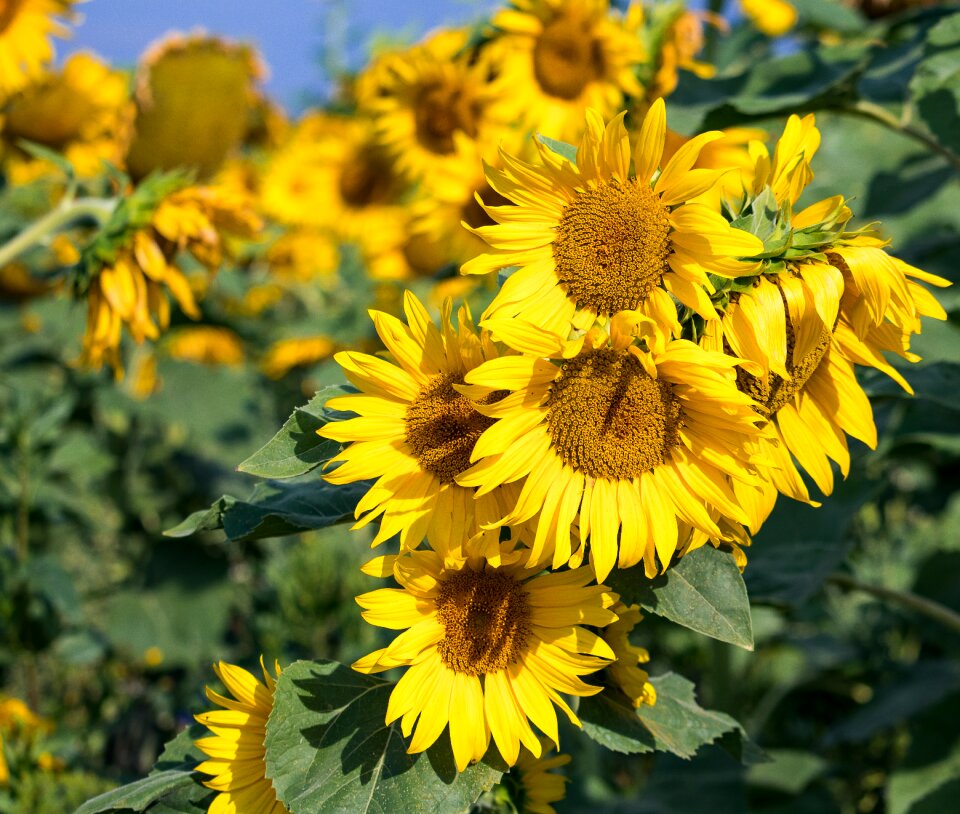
x=927, y=607
x=70, y=210
x=874, y=112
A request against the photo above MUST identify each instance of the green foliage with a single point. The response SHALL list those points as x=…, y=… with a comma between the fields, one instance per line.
x=328, y=750
x=704, y=591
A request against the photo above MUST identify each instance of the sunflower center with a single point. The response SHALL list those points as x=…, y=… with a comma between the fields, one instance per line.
x=609, y=419
x=364, y=181
x=442, y=427
x=442, y=109
x=774, y=391
x=612, y=246
x=567, y=57
x=475, y=215
x=8, y=12
x=485, y=619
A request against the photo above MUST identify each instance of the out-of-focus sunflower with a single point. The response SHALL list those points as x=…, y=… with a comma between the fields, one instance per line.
x=678, y=47
x=26, y=27
x=195, y=98
x=432, y=93
x=236, y=755
x=415, y=433
x=626, y=672
x=532, y=785
x=589, y=240
x=330, y=175
x=632, y=442
x=488, y=644
x=286, y=354
x=773, y=17
x=129, y=288
x=205, y=345
x=82, y=110
x=563, y=56
x=303, y=256
x=17, y=717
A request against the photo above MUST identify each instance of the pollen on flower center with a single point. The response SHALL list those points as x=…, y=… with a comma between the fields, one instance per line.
x=612, y=246
x=567, y=57
x=441, y=109
x=609, y=419
x=442, y=427
x=485, y=619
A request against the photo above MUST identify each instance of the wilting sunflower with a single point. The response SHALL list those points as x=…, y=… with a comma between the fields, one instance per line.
x=590, y=240
x=130, y=289
x=430, y=95
x=25, y=48
x=532, y=785
x=415, y=433
x=487, y=646
x=82, y=110
x=837, y=299
x=563, y=56
x=626, y=672
x=631, y=441
x=236, y=752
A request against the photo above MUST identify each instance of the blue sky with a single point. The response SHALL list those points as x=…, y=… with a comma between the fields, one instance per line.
x=289, y=33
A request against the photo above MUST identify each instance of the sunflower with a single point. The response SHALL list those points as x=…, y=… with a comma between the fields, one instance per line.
x=25, y=48
x=82, y=110
x=236, y=751
x=205, y=345
x=835, y=300
x=286, y=354
x=18, y=719
x=772, y=17
x=432, y=93
x=130, y=289
x=532, y=786
x=682, y=41
x=633, y=441
x=589, y=240
x=563, y=56
x=626, y=672
x=415, y=433
x=330, y=175
x=487, y=646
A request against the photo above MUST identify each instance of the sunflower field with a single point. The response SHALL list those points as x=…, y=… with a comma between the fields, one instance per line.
x=559, y=413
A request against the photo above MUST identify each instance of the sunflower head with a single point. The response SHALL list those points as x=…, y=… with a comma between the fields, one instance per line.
x=26, y=27
x=626, y=672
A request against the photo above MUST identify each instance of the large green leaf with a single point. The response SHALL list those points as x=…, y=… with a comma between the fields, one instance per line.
x=144, y=794
x=935, y=87
x=328, y=750
x=296, y=448
x=675, y=724
x=276, y=509
x=704, y=592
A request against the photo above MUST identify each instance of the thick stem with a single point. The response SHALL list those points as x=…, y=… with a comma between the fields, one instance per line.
x=927, y=607
x=97, y=208
x=869, y=110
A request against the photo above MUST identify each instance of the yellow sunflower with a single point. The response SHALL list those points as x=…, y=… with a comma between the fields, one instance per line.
x=589, y=240
x=681, y=43
x=415, y=433
x=532, y=785
x=82, y=110
x=626, y=672
x=25, y=48
x=286, y=354
x=236, y=751
x=432, y=93
x=634, y=442
x=489, y=647
x=561, y=57
x=205, y=345
x=772, y=17
x=130, y=290
x=330, y=175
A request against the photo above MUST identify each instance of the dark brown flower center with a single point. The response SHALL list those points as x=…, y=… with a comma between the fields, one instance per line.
x=567, y=57
x=485, y=619
x=609, y=419
x=612, y=246
x=441, y=109
x=365, y=180
x=475, y=215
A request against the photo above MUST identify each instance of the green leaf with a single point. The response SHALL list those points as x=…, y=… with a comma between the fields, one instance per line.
x=328, y=750
x=60, y=161
x=181, y=753
x=788, y=770
x=675, y=724
x=297, y=448
x=141, y=795
x=829, y=14
x=938, y=382
x=935, y=87
x=203, y=520
x=561, y=148
x=704, y=591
